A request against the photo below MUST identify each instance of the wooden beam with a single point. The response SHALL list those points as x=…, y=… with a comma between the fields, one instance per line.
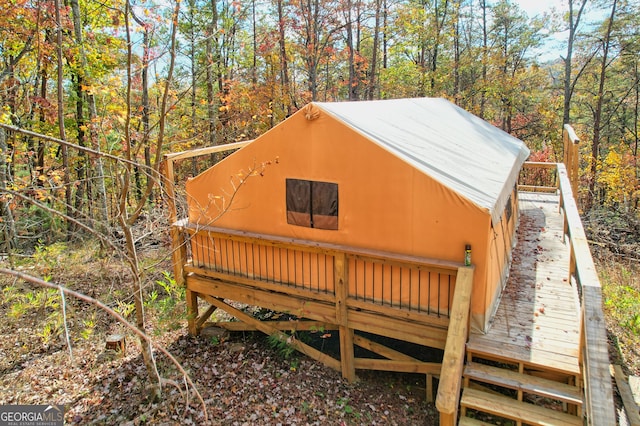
x=403, y=314
x=262, y=285
x=538, y=165
x=630, y=406
x=570, y=158
x=192, y=312
x=454, y=351
x=398, y=366
x=420, y=333
x=297, y=325
x=534, y=188
x=204, y=317
x=382, y=350
x=175, y=156
x=425, y=332
x=281, y=302
x=266, y=328
x=394, y=355
x=341, y=277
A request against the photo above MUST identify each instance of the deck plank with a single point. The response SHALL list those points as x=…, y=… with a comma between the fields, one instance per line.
x=537, y=319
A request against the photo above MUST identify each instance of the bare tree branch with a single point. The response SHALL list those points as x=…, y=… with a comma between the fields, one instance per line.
x=39, y=282
x=149, y=171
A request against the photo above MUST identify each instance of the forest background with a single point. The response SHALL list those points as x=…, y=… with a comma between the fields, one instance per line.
x=93, y=93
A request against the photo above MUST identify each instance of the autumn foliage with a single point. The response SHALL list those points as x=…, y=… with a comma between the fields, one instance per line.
x=240, y=68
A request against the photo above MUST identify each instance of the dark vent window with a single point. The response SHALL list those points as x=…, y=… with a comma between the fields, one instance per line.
x=508, y=209
x=312, y=204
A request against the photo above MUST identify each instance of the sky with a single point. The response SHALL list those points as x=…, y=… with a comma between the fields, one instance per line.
x=554, y=45
x=538, y=7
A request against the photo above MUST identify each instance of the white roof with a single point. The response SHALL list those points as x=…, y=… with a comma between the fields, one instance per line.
x=458, y=149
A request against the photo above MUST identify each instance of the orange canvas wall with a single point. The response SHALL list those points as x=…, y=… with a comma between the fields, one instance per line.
x=384, y=203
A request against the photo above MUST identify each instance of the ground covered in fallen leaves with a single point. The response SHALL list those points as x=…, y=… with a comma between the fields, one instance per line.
x=242, y=378
x=242, y=381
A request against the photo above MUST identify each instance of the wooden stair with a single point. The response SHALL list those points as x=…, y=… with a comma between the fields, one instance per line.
x=477, y=396
x=519, y=411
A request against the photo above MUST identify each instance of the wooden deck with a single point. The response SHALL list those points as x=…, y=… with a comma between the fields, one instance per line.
x=537, y=321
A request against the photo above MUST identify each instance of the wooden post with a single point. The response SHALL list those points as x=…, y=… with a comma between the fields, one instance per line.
x=178, y=249
x=192, y=312
x=341, y=274
x=570, y=158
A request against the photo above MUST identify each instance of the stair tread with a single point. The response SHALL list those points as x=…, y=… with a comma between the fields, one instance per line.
x=468, y=421
x=524, y=382
x=553, y=361
x=509, y=408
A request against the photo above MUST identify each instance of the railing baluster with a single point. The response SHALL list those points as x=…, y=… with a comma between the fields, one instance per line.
x=419, y=290
x=377, y=279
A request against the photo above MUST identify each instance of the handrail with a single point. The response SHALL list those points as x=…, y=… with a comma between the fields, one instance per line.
x=599, y=404
x=174, y=156
x=426, y=262
x=545, y=186
x=570, y=142
x=448, y=397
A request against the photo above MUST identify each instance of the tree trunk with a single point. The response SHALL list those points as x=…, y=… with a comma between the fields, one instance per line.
x=385, y=28
x=8, y=224
x=456, y=55
x=636, y=109
x=144, y=74
x=569, y=84
x=353, y=79
x=597, y=114
x=374, y=54
x=284, y=62
x=439, y=25
x=85, y=95
x=65, y=154
x=80, y=166
x=485, y=58
x=41, y=118
x=125, y=221
x=254, y=36
x=212, y=60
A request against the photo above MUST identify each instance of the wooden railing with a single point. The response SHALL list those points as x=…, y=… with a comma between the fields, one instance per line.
x=599, y=403
x=538, y=177
x=448, y=397
x=594, y=350
x=169, y=179
x=375, y=280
